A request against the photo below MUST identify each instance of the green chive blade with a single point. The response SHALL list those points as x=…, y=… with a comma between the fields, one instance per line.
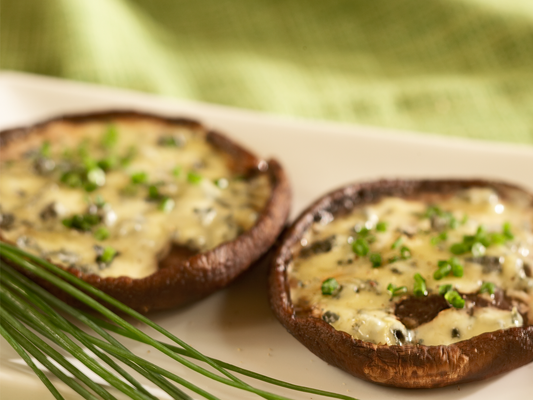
x=330, y=287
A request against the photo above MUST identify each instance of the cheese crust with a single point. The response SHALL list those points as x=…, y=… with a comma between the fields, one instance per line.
x=364, y=307
x=155, y=211
x=411, y=299
x=201, y=214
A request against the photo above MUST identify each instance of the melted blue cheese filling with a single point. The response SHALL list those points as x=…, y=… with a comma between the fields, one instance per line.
x=110, y=199
x=352, y=271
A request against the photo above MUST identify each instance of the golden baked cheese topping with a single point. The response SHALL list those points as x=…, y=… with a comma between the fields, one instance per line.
x=109, y=198
x=419, y=271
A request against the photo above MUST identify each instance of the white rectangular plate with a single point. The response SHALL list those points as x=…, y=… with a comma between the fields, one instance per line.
x=236, y=324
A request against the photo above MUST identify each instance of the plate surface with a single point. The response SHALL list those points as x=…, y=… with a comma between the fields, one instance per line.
x=236, y=324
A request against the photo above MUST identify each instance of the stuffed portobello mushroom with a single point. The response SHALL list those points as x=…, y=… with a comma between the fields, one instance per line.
x=155, y=211
x=411, y=283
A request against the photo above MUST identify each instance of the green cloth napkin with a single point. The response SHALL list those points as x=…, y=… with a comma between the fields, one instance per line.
x=453, y=67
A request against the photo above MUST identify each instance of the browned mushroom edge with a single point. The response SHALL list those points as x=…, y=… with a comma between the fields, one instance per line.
x=183, y=279
x=408, y=366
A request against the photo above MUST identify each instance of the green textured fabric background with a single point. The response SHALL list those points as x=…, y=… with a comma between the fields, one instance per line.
x=453, y=67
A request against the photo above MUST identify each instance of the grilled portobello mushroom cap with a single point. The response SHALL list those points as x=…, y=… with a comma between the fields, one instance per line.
x=325, y=288
x=155, y=211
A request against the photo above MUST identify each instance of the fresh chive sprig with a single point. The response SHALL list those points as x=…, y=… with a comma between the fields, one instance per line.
x=28, y=312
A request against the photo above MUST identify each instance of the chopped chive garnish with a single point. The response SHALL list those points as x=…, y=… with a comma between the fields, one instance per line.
x=362, y=231
x=67, y=154
x=107, y=163
x=139, y=177
x=83, y=148
x=81, y=222
x=110, y=137
x=397, y=243
x=441, y=237
x=381, y=226
x=44, y=151
x=99, y=201
x=330, y=287
x=71, y=179
x=452, y=265
x=487, y=287
x=86, y=173
x=375, y=259
x=101, y=233
x=419, y=287
x=96, y=176
x=453, y=223
x=170, y=141
x=481, y=240
x=396, y=291
x=405, y=253
x=90, y=186
x=507, y=231
x=457, y=268
x=194, y=177
x=67, y=222
x=444, y=269
x=176, y=171
x=443, y=289
x=153, y=192
x=167, y=205
x=454, y=299
x=128, y=156
x=108, y=255
x=459, y=248
x=360, y=247
x=432, y=211
x=497, y=238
